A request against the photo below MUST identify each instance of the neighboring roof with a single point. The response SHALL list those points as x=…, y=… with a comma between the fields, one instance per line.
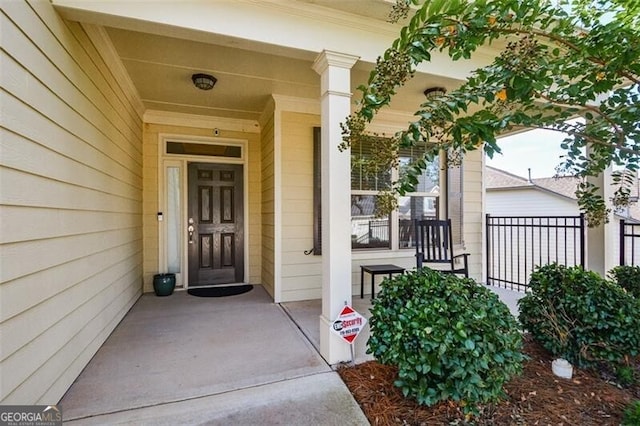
x=497, y=179
x=564, y=186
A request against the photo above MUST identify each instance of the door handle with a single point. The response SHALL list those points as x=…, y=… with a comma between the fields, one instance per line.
x=190, y=230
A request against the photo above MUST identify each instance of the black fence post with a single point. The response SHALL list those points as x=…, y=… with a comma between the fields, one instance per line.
x=621, y=242
x=488, y=244
x=582, y=239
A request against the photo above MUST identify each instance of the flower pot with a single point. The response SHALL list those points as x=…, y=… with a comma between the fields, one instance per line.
x=163, y=284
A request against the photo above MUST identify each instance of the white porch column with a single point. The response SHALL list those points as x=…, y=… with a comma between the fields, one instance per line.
x=601, y=241
x=335, y=96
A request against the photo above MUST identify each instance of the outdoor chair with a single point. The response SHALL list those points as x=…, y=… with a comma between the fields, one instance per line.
x=434, y=245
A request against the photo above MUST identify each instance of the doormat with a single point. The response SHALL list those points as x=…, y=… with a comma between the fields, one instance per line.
x=230, y=290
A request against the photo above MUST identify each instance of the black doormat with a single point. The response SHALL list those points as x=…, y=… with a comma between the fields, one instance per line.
x=229, y=290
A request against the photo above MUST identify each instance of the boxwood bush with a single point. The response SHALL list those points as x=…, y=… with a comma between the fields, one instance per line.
x=578, y=315
x=450, y=338
x=627, y=277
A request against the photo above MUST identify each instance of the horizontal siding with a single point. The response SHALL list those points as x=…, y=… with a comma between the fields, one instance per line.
x=268, y=257
x=529, y=202
x=473, y=212
x=70, y=202
x=301, y=274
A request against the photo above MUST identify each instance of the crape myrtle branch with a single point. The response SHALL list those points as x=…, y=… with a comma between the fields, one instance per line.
x=568, y=73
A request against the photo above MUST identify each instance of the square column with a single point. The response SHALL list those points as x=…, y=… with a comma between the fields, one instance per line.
x=335, y=97
x=601, y=242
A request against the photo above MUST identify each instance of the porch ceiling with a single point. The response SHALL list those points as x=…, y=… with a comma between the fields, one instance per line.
x=160, y=60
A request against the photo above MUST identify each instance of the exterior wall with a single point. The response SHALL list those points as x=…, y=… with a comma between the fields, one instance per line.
x=301, y=274
x=529, y=202
x=268, y=203
x=473, y=212
x=152, y=149
x=70, y=201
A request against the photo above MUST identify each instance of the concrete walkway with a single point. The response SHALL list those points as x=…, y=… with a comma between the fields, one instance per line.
x=186, y=360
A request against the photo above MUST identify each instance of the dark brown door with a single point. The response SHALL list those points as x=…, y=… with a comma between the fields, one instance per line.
x=215, y=228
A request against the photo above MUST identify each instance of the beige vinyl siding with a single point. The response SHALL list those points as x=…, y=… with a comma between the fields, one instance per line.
x=70, y=202
x=268, y=204
x=301, y=274
x=152, y=149
x=473, y=211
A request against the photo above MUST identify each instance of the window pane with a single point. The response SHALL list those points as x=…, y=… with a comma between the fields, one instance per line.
x=362, y=176
x=454, y=185
x=212, y=150
x=410, y=209
x=429, y=181
x=174, y=227
x=367, y=231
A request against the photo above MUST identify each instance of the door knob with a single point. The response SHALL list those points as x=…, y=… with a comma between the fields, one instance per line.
x=190, y=230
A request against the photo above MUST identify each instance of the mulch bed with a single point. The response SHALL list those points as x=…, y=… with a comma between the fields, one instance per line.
x=537, y=397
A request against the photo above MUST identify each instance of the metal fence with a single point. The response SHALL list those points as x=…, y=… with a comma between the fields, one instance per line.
x=517, y=244
x=629, y=243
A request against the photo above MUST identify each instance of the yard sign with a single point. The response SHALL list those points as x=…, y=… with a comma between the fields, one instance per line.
x=348, y=324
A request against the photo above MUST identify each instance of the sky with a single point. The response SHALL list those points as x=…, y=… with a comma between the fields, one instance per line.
x=536, y=149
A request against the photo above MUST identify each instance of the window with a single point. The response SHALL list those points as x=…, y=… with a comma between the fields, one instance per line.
x=367, y=230
x=454, y=202
x=206, y=149
x=371, y=232
x=395, y=231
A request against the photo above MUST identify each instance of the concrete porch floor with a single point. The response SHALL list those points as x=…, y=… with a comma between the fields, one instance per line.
x=187, y=360
x=239, y=360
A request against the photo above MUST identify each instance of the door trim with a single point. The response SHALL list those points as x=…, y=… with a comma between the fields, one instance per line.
x=178, y=160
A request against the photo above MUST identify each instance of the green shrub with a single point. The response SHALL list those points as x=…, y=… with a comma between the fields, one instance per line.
x=631, y=415
x=450, y=338
x=577, y=315
x=627, y=277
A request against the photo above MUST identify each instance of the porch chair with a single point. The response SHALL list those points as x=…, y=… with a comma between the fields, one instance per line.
x=434, y=244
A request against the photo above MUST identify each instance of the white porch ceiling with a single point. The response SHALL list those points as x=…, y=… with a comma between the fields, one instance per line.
x=160, y=60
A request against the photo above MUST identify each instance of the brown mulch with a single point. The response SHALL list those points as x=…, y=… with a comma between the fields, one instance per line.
x=537, y=397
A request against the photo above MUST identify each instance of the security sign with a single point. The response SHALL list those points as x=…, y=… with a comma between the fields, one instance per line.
x=348, y=324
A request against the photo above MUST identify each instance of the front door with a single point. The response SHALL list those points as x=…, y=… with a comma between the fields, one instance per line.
x=215, y=224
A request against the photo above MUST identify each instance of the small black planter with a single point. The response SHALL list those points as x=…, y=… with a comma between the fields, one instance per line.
x=163, y=284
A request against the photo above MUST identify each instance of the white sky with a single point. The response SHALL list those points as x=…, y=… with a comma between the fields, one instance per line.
x=536, y=149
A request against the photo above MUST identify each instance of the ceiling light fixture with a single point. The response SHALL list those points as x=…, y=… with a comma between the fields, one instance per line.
x=435, y=92
x=204, y=81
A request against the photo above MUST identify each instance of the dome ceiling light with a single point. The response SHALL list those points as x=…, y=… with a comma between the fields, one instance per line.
x=204, y=81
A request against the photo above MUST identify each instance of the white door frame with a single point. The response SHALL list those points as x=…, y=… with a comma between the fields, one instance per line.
x=181, y=161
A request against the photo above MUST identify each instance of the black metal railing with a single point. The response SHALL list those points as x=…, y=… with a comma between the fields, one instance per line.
x=516, y=245
x=629, y=243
